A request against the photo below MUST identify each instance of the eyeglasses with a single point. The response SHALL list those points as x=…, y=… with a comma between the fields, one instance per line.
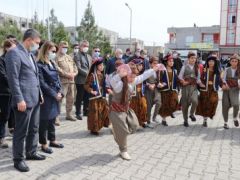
x=53, y=51
x=96, y=51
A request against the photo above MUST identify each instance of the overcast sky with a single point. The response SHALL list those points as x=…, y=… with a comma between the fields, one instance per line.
x=151, y=18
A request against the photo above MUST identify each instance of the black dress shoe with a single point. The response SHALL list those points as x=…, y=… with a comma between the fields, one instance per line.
x=186, y=124
x=21, y=166
x=79, y=117
x=35, y=157
x=47, y=150
x=95, y=133
x=164, y=123
x=173, y=116
x=192, y=117
x=56, y=145
x=236, y=123
x=226, y=126
x=205, y=124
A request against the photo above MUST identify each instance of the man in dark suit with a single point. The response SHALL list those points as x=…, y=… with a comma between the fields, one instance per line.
x=110, y=68
x=23, y=81
x=83, y=62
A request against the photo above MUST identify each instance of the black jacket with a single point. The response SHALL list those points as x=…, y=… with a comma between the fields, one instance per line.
x=177, y=64
x=4, y=88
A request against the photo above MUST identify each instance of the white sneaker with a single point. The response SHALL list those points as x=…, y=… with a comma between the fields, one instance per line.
x=125, y=156
x=149, y=125
x=156, y=121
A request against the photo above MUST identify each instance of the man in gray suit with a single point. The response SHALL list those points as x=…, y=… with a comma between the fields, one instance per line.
x=23, y=81
x=83, y=62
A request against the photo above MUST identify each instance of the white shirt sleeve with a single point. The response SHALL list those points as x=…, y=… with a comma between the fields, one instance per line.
x=116, y=83
x=148, y=73
x=199, y=77
x=107, y=81
x=224, y=76
x=180, y=76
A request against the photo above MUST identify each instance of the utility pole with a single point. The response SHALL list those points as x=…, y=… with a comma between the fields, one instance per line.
x=130, y=9
x=76, y=21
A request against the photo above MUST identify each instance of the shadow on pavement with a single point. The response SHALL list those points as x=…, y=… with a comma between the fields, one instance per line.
x=97, y=160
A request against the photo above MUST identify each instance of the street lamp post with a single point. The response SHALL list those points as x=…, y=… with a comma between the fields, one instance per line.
x=130, y=24
x=76, y=21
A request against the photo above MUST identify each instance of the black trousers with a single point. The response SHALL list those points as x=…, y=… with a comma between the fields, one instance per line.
x=4, y=114
x=11, y=119
x=46, y=130
x=26, y=130
x=82, y=95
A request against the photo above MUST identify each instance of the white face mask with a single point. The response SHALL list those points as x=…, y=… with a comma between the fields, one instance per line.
x=64, y=50
x=34, y=47
x=137, y=54
x=75, y=50
x=120, y=56
x=85, y=49
x=51, y=56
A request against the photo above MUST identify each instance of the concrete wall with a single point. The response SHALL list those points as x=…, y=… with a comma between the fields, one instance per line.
x=186, y=36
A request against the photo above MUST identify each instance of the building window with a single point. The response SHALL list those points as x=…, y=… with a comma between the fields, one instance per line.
x=233, y=19
x=23, y=25
x=230, y=37
x=172, y=38
x=189, y=40
x=232, y=2
x=208, y=38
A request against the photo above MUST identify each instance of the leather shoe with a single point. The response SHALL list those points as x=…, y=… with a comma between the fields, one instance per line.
x=56, y=145
x=35, y=157
x=236, y=123
x=186, y=124
x=192, y=117
x=164, y=123
x=79, y=117
x=85, y=113
x=226, y=126
x=95, y=133
x=21, y=166
x=47, y=150
x=205, y=124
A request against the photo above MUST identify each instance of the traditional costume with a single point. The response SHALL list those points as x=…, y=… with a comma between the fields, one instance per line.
x=138, y=101
x=230, y=96
x=152, y=95
x=208, y=98
x=123, y=118
x=189, y=98
x=169, y=92
x=98, y=107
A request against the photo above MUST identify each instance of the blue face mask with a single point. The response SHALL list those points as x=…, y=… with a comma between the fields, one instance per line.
x=96, y=54
x=34, y=47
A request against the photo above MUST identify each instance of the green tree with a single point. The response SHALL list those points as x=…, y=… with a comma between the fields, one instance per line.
x=59, y=34
x=41, y=29
x=39, y=26
x=9, y=27
x=57, y=30
x=88, y=30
